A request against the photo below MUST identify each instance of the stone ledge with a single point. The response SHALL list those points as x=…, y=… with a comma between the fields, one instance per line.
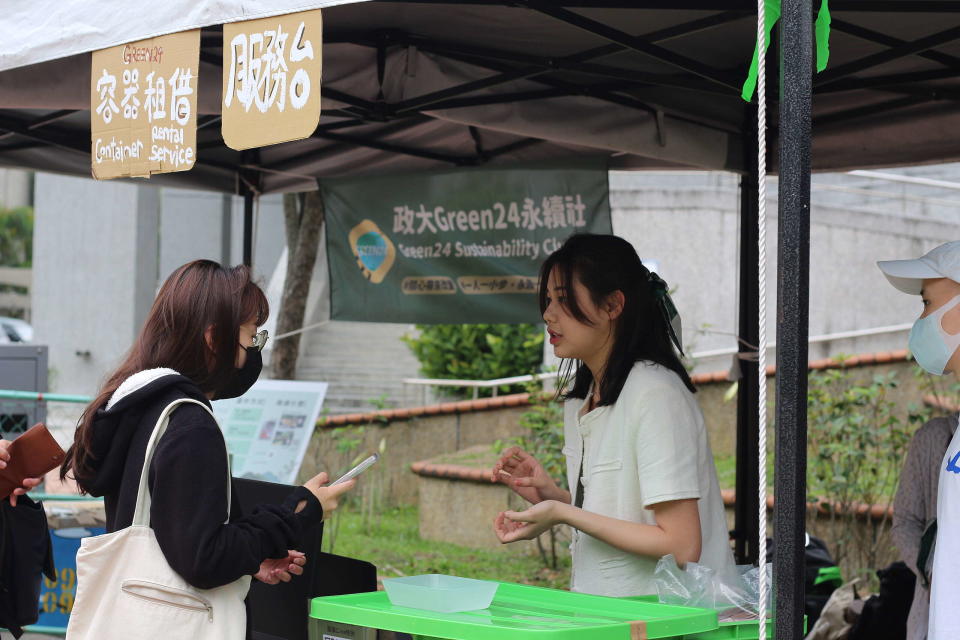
x=523, y=399
x=947, y=404
x=446, y=408
x=426, y=469
x=873, y=511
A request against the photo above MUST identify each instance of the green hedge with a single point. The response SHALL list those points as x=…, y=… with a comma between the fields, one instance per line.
x=478, y=352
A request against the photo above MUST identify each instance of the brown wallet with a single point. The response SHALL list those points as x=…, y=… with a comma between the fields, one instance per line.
x=32, y=454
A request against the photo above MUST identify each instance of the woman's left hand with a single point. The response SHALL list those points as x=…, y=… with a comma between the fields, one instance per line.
x=511, y=526
x=28, y=483
x=276, y=570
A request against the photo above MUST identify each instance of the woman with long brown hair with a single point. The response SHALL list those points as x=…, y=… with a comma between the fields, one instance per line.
x=199, y=342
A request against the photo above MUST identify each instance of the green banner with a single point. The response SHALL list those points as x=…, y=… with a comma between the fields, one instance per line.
x=459, y=246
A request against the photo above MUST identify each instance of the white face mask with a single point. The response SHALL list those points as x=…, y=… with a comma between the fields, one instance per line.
x=931, y=346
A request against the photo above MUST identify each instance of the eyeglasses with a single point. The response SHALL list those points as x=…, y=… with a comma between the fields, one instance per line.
x=260, y=340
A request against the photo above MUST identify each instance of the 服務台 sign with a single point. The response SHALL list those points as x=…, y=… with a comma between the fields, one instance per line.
x=271, y=79
x=458, y=246
x=143, y=110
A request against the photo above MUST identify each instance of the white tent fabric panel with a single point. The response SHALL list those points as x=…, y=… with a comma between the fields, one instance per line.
x=481, y=83
x=42, y=30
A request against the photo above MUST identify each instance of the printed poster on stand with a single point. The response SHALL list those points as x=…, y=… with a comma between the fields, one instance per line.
x=268, y=428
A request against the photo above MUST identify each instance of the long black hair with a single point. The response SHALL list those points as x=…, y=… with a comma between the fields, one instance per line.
x=605, y=264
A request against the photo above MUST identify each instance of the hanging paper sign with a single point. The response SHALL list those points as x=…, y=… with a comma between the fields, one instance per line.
x=459, y=246
x=143, y=108
x=271, y=79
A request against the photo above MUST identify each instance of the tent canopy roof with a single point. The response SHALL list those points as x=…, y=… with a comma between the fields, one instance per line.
x=410, y=86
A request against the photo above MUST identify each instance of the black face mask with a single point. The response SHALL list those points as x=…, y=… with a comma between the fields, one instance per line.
x=243, y=378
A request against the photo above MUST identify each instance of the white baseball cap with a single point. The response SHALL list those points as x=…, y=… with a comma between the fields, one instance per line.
x=908, y=275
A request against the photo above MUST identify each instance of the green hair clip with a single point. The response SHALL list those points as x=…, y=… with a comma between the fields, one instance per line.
x=670, y=314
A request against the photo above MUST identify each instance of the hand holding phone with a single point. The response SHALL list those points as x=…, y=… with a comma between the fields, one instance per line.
x=357, y=470
x=328, y=495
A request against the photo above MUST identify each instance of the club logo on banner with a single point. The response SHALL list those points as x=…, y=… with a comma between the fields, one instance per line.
x=373, y=250
x=143, y=108
x=271, y=79
x=459, y=246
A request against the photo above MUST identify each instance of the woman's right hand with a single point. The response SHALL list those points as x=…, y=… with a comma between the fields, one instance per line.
x=329, y=497
x=521, y=472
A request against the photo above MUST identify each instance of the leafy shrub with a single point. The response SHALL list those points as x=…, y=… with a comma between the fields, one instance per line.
x=16, y=237
x=477, y=352
x=858, y=438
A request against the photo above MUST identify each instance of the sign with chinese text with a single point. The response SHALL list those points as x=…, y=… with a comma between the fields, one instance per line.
x=459, y=246
x=271, y=79
x=143, y=111
x=268, y=428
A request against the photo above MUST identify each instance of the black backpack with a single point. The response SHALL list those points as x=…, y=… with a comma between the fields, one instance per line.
x=821, y=577
x=26, y=555
x=884, y=615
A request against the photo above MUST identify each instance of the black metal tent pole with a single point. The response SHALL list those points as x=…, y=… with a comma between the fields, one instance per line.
x=748, y=394
x=248, y=227
x=248, y=186
x=793, y=287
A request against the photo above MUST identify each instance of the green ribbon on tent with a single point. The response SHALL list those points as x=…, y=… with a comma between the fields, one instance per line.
x=772, y=15
x=823, y=36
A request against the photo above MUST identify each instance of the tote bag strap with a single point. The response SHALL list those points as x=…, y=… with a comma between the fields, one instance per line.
x=141, y=514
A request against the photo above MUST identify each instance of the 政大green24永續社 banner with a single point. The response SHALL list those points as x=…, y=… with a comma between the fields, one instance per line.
x=457, y=246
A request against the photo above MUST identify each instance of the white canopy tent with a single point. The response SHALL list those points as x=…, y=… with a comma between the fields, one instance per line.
x=418, y=85
x=411, y=86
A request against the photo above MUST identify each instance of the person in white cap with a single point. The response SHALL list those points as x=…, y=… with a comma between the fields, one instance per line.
x=935, y=345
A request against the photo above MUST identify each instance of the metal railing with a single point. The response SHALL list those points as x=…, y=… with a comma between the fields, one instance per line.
x=495, y=383
x=7, y=394
x=33, y=396
x=481, y=384
x=476, y=385
x=15, y=420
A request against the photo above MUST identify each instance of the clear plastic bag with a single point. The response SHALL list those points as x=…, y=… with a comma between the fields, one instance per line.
x=734, y=592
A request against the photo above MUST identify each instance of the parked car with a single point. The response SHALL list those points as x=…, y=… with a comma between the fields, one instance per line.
x=14, y=330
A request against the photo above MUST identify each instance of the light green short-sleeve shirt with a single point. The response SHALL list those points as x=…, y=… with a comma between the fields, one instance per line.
x=649, y=447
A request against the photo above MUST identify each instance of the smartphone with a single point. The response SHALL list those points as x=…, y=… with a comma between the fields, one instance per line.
x=357, y=470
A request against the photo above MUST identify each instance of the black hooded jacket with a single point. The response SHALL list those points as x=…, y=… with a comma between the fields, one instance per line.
x=188, y=484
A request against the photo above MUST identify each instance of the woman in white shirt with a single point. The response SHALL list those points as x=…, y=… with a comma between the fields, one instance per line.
x=642, y=477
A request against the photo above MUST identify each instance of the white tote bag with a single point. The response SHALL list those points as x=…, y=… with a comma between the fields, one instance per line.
x=126, y=589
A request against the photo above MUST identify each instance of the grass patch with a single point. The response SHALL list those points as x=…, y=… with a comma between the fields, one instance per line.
x=477, y=457
x=727, y=471
x=394, y=546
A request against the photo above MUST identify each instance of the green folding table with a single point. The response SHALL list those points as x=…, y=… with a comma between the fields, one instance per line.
x=518, y=612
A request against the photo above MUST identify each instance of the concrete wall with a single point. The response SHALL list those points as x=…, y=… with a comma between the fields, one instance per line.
x=101, y=252
x=462, y=513
x=688, y=223
x=16, y=188
x=202, y=224
x=425, y=438
x=406, y=442
x=94, y=274
x=193, y=225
